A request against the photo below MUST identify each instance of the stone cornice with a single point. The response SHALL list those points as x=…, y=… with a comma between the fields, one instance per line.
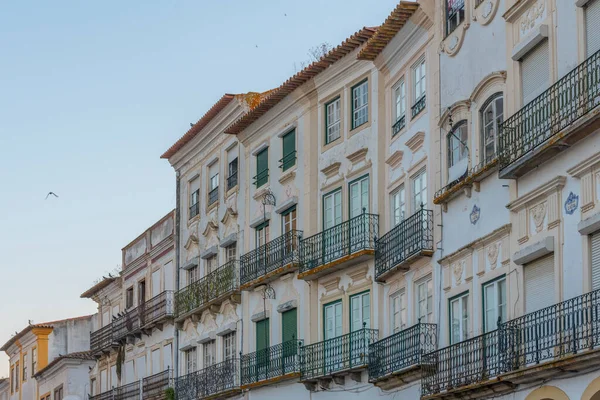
x=553, y=185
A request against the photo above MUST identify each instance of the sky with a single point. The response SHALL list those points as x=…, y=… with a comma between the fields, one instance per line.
x=92, y=93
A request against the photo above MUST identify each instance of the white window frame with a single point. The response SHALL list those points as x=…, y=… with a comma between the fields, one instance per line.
x=214, y=181
x=399, y=100
x=455, y=145
x=362, y=318
x=209, y=353
x=462, y=300
x=363, y=195
x=491, y=104
x=231, y=252
x=419, y=197
x=419, y=80
x=229, y=346
x=360, y=104
x=398, y=311
x=398, y=205
x=191, y=360
x=498, y=308
x=333, y=118
x=427, y=300
x=335, y=198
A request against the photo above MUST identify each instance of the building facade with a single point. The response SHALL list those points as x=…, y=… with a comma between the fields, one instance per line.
x=36, y=348
x=132, y=339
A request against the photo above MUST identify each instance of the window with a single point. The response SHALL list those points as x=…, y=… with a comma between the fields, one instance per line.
x=360, y=311
x=211, y=264
x=92, y=386
x=141, y=292
x=214, y=181
x=213, y=194
x=58, y=393
x=231, y=252
x=12, y=379
x=208, y=349
x=24, y=367
x=419, y=187
x=17, y=376
x=232, y=177
x=494, y=304
x=262, y=168
x=418, y=73
x=400, y=107
x=457, y=139
x=455, y=14
x=459, y=318
x=332, y=121
x=539, y=285
x=192, y=274
x=333, y=319
x=194, y=197
x=33, y=361
x=491, y=119
x=332, y=209
x=289, y=325
x=398, y=311
x=592, y=34
x=190, y=360
x=289, y=150
x=595, y=267
x=288, y=219
x=424, y=300
x=398, y=205
x=535, y=72
x=360, y=104
x=229, y=346
x=359, y=196
x=262, y=234
x=262, y=334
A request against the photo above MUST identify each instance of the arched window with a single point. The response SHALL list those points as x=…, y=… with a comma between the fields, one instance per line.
x=492, y=115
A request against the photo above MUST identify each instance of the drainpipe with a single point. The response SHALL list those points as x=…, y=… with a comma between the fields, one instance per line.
x=441, y=224
x=177, y=253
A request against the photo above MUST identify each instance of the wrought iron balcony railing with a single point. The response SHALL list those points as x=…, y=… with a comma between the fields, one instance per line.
x=232, y=180
x=401, y=350
x=218, y=283
x=267, y=258
x=337, y=354
x=158, y=308
x=101, y=339
x=342, y=240
x=564, y=329
x=194, y=210
x=398, y=125
x=569, y=99
x=288, y=161
x=103, y=396
x=155, y=385
x=129, y=323
x=128, y=392
x=218, y=378
x=275, y=361
x=213, y=196
x=261, y=178
x=418, y=106
x=410, y=237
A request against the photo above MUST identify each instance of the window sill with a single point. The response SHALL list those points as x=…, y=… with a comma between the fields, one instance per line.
x=231, y=191
x=360, y=127
x=471, y=180
x=288, y=175
x=192, y=220
x=212, y=206
x=332, y=144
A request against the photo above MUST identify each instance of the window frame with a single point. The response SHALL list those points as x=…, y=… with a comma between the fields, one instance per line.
x=459, y=297
x=457, y=13
x=323, y=307
x=231, y=172
x=289, y=159
x=354, y=109
x=261, y=229
x=229, y=346
x=393, y=194
x=292, y=213
x=209, y=353
x=228, y=252
x=58, y=390
x=424, y=281
x=402, y=312
x=421, y=83
x=451, y=137
x=397, y=125
x=484, y=285
x=24, y=378
x=422, y=176
x=33, y=360
x=358, y=181
x=490, y=102
x=129, y=302
x=323, y=198
x=360, y=295
x=328, y=140
x=187, y=359
x=259, y=179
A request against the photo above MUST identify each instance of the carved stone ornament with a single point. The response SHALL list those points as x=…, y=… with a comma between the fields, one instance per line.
x=532, y=17
x=492, y=255
x=457, y=270
x=539, y=213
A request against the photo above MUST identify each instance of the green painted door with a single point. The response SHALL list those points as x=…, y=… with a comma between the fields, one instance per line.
x=289, y=150
x=262, y=348
x=289, y=342
x=262, y=167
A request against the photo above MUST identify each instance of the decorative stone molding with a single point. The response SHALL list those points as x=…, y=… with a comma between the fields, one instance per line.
x=260, y=193
x=190, y=264
x=260, y=148
x=459, y=110
x=208, y=253
x=288, y=305
x=457, y=271
x=289, y=292
x=260, y=316
x=287, y=176
x=534, y=251
x=358, y=161
x=226, y=329
x=495, y=80
x=208, y=321
x=532, y=17
x=453, y=42
x=257, y=221
x=484, y=14
x=331, y=286
x=359, y=278
x=416, y=142
x=589, y=225
x=228, y=240
x=447, y=283
x=292, y=201
x=538, y=194
x=395, y=160
x=207, y=337
x=332, y=174
x=527, y=43
x=538, y=213
x=492, y=255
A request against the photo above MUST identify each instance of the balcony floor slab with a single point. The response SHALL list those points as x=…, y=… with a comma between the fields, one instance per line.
x=397, y=379
x=336, y=265
x=270, y=277
x=404, y=265
x=272, y=381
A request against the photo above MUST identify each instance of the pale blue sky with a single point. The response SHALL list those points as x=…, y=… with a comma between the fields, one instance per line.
x=92, y=93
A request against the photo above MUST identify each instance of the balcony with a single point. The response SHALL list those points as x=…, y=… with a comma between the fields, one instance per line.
x=128, y=392
x=103, y=396
x=350, y=242
x=128, y=324
x=396, y=360
x=153, y=387
x=399, y=125
x=217, y=381
x=557, y=119
x=271, y=260
x=213, y=289
x=334, y=358
x=157, y=310
x=408, y=241
x=213, y=196
x=194, y=210
x=471, y=179
x=102, y=340
x=271, y=365
x=232, y=180
x=418, y=106
x=563, y=338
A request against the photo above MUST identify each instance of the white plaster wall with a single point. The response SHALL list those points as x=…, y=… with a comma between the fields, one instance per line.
x=68, y=337
x=74, y=378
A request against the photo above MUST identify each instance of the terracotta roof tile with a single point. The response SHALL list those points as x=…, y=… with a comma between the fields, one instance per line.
x=386, y=32
x=276, y=95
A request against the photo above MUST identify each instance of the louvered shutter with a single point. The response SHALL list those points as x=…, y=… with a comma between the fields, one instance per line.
x=596, y=261
x=289, y=148
x=592, y=32
x=539, y=284
x=289, y=327
x=535, y=72
x=262, y=334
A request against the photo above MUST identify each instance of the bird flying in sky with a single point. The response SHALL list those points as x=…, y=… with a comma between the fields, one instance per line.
x=50, y=193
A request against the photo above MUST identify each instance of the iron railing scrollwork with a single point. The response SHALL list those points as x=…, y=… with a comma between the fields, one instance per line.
x=232, y=180
x=399, y=125
x=418, y=106
x=356, y=234
x=155, y=385
x=213, y=196
x=194, y=210
x=287, y=161
x=336, y=354
x=272, y=362
x=569, y=99
x=408, y=238
x=221, y=281
x=103, y=396
x=212, y=380
x=158, y=307
x=277, y=253
x=563, y=329
x=102, y=338
x=128, y=323
x=401, y=350
x=130, y=391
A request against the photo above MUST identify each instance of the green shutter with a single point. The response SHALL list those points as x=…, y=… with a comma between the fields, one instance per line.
x=262, y=334
x=289, y=325
x=262, y=167
x=289, y=150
